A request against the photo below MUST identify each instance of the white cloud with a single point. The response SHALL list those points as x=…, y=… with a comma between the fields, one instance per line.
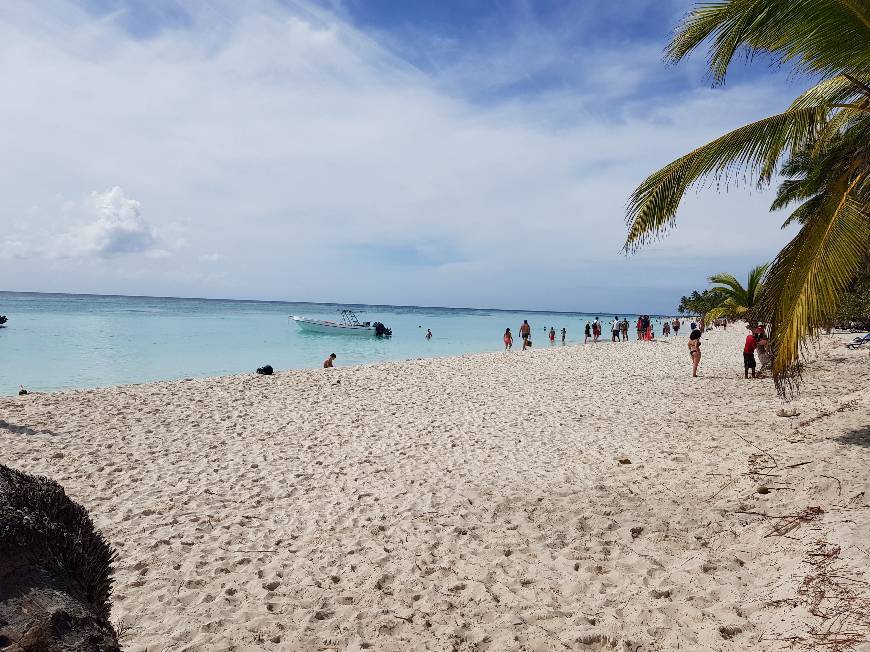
x=286, y=139
x=117, y=228
x=106, y=225
x=15, y=248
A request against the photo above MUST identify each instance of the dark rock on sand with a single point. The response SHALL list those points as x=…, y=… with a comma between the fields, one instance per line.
x=55, y=570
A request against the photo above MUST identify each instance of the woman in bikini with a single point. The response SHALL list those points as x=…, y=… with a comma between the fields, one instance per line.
x=695, y=350
x=508, y=339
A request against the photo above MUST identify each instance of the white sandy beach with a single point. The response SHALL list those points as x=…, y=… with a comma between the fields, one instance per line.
x=474, y=502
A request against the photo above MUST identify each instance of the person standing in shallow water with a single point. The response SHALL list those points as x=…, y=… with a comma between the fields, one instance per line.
x=428, y=334
x=508, y=339
x=552, y=335
x=525, y=332
x=564, y=333
x=587, y=333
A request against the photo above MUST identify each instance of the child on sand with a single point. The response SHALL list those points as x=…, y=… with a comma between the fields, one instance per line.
x=327, y=364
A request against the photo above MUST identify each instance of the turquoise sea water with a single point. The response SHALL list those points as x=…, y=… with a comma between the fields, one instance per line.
x=64, y=341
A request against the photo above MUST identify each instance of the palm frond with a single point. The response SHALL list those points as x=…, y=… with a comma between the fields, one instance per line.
x=841, y=89
x=737, y=298
x=802, y=213
x=754, y=282
x=728, y=309
x=820, y=36
x=732, y=288
x=804, y=285
x=791, y=191
x=653, y=205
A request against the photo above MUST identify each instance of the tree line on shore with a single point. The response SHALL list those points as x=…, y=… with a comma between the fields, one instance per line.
x=729, y=299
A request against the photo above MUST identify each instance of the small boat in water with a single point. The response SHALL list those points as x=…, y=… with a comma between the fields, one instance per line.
x=349, y=325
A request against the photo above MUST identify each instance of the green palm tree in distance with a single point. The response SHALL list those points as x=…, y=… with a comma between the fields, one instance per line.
x=829, y=41
x=739, y=301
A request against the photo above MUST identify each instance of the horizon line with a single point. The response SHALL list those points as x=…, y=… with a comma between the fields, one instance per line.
x=322, y=303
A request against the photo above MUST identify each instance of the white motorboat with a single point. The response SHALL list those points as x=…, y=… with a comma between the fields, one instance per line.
x=349, y=325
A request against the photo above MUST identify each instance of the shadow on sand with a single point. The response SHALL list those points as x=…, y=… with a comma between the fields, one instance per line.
x=857, y=437
x=23, y=430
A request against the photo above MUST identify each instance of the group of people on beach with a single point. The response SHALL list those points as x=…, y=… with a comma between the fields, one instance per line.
x=755, y=340
x=525, y=331
x=592, y=331
x=645, y=329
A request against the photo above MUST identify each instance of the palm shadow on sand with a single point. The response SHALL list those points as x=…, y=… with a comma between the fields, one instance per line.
x=857, y=437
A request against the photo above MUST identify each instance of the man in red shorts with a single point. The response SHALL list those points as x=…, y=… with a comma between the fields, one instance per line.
x=749, y=352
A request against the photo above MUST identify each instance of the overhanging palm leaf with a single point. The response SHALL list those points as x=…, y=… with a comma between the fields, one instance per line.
x=828, y=125
x=654, y=204
x=805, y=282
x=820, y=36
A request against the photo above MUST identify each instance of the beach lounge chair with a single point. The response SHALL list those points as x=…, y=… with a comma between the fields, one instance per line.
x=859, y=341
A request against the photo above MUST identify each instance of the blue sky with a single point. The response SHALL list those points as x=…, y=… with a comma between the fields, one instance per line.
x=431, y=153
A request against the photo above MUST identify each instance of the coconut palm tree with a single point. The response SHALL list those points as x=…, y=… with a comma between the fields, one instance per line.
x=828, y=40
x=738, y=301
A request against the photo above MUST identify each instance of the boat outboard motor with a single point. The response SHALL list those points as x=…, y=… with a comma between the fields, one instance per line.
x=265, y=371
x=381, y=330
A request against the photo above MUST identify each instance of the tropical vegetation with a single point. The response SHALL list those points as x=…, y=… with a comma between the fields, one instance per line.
x=823, y=138
x=738, y=301
x=854, y=311
x=700, y=303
